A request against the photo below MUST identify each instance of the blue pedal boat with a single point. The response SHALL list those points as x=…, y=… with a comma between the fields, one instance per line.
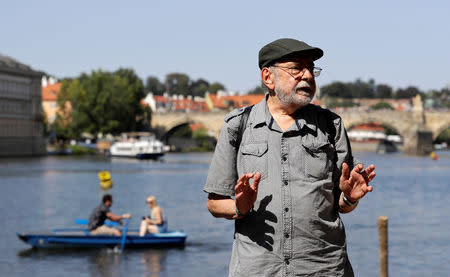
x=81, y=237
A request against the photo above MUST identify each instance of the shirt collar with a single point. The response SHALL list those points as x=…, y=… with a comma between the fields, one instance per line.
x=303, y=116
x=262, y=114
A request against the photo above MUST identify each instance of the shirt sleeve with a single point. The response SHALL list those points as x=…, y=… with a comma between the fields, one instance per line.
x=222, y=174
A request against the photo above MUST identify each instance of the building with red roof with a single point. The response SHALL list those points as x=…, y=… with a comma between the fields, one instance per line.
x=50, y=91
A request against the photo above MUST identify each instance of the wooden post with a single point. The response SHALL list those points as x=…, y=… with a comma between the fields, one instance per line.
x=383, y=239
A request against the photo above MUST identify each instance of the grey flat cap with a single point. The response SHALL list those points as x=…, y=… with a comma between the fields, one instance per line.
x=284, y=47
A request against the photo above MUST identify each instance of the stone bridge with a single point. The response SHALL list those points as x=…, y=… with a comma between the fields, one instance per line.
x=418, y=128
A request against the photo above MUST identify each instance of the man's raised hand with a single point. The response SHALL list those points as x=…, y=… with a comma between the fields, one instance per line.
x=355, y=184
x=245, y=194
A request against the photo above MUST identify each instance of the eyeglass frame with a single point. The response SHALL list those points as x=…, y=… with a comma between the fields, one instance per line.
x=315, y=70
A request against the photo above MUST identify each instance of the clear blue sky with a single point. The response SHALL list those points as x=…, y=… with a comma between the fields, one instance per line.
x=400, y=43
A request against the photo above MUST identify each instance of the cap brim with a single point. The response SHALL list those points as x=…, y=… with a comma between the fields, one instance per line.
x=314, y=53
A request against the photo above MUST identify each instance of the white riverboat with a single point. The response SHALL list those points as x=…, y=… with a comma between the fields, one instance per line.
x=144, y=147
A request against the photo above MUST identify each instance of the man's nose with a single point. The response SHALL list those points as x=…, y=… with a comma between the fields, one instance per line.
x=307, y=74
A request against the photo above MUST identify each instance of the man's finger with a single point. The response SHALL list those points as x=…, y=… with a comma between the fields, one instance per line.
x=368, y=170
x=358, y=168
x=345, y=171
x=245, y=177
x=371, y=176
x=256, y=181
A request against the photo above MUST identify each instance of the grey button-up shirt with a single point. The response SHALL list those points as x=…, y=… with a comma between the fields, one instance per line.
x=294, y=228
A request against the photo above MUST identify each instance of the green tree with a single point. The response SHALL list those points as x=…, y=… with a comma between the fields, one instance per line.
x=257, y=90
x=199, y=87
x=177, y=83
x=155, y=86
x=441, y=97
x=409, y=92
x=383, y=91
x=361, y=89
x=444, y=137
x=333, y=102
x=336, y=89
x=204, y=141
x=382, y=106
x=215, y=87
x=388, y=130
x=100, y=102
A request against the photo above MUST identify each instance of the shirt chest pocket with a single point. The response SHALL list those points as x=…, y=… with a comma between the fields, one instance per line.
x=254, y=158
x=318, y=160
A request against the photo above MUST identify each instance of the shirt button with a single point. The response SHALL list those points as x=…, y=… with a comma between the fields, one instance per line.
x=286, y=209
x=285, y=182
x=284, y=158
x=286, y=235
x=286, y=261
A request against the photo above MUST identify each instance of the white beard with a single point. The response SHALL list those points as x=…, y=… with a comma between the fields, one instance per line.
x=290, y=98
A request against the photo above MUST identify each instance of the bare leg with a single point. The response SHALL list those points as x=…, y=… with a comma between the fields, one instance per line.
x=143, y=228
x=152, y=229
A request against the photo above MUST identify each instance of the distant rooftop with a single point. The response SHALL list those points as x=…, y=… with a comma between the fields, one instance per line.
x=10, y=65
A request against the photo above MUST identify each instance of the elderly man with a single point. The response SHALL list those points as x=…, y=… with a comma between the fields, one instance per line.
x=289, y=166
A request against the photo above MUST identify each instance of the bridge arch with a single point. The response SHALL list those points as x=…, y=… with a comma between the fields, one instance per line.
x=440, y=131
x=212, y=121
x=398, y=121
x=437, y=122
x=168, y=133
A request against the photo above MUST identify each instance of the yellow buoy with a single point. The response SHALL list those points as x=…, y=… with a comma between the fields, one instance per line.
x=105, y=179
x=434, y=156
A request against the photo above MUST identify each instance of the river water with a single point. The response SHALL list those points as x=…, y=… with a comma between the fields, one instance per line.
x=50, y=192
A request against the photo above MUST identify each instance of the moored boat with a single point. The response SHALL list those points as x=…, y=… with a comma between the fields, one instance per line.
x=144, y=147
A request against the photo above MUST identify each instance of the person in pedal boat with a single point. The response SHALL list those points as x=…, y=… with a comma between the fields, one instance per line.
x=100, y=214
x=155, y=223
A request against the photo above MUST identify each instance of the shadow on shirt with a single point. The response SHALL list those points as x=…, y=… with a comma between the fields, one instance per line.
x=255, y=225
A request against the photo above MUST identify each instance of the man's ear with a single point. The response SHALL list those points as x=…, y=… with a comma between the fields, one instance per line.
x=267, y=78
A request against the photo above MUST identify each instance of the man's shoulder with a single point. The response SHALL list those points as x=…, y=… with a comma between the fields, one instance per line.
x=324, y=112
x=236, y=114
x=102, y=208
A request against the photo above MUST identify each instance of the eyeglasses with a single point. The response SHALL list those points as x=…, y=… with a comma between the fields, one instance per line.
x=297, y=72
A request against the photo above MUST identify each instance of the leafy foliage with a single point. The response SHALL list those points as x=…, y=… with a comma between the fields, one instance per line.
x=444, y=136
x=383, y=91
x=388, y=130
x=382, y=106
x=204, y=141
x=180, y=84
x=361, y=89
x=177, y=84
x=333, y=102
x=100, y=102
x=215, y=87
x=357, y=89
x=336, y=89
x=154, y=86
x=407, y=93
x=199, y=87
x=257, y=90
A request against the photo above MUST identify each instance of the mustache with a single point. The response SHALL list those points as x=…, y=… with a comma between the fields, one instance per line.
x=302, y=85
